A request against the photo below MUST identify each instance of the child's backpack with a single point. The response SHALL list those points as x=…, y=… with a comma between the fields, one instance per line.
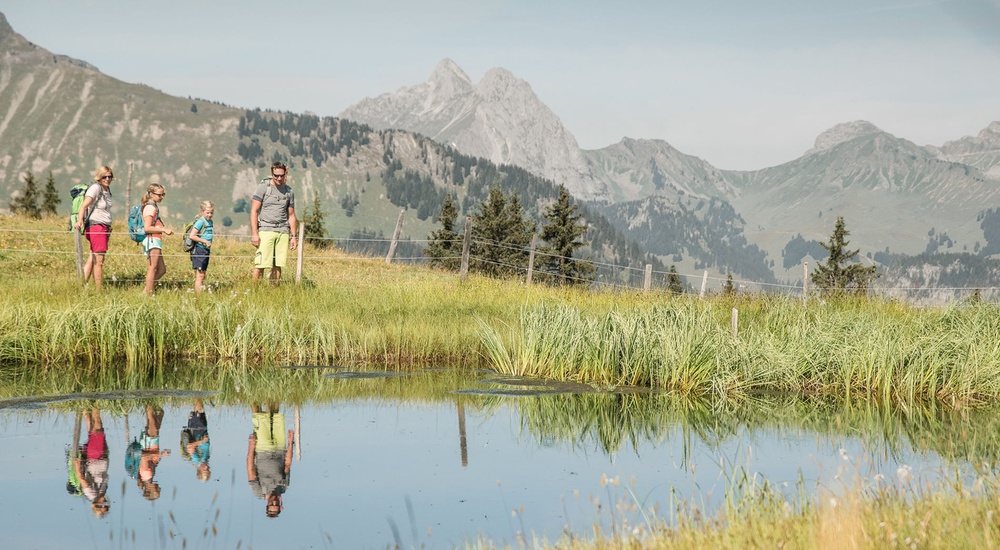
x=77, y=194
x=137, y=227
x=133, y=456
x=188, y=243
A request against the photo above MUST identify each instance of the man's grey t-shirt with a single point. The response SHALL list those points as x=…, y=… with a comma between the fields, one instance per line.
x=274, y=204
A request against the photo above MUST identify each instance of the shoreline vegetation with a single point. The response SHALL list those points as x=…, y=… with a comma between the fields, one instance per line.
x=57, y=338
x=353, y=311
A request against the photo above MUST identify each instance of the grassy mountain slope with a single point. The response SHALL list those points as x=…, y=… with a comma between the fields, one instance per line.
x=66, y=116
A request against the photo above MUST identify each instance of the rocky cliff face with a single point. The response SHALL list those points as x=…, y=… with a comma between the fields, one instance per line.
x=499, y=118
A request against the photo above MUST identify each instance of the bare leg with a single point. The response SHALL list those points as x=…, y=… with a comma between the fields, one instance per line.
x=258, y=274
x=276, y=275
x=98, y=269
x=152, y=270
x=199, y=280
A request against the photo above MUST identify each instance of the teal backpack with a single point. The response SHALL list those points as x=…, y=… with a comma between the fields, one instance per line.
x=133, y=456
x=136, y=227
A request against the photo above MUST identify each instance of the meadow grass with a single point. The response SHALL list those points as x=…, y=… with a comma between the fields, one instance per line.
x=351, y=310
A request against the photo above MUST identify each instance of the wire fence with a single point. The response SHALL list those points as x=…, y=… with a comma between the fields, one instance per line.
x=607, y=276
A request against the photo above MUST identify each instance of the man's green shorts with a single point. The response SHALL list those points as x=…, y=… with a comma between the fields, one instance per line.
x=272, y=251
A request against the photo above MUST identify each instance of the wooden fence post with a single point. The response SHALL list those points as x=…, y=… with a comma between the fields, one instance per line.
x=128, y=190
x=301, y=243
x=648, y=278
x=736, y=322
x=464, y=271
x=79, y=251
x=395, y=238
x=531, y=259
x=805, y=281
x=704, y=283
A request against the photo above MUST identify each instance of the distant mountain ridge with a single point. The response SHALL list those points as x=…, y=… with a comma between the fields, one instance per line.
x=893, y=193
x=493, y=119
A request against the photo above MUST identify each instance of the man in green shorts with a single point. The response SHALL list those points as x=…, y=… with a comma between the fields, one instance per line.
x=273, y=223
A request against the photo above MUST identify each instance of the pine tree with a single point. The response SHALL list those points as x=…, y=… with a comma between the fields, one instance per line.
x=500, y=235
x=314, y=228
x=27, y=202
x=444, y=248
x=562, y=232
x=840, y=274
x=50, y=199
x=674, y=283
x=729, y=289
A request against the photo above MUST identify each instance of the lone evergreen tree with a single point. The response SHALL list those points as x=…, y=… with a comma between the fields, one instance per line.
x=562, y=232
x=50, y=199
x=840, y=274
x=674, y=283
x=314, y=228
x=27, y=202
x=444, y=248
x=500, y=235
x=729, y=289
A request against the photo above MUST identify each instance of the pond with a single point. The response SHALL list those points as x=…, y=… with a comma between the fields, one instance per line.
x=429, y=459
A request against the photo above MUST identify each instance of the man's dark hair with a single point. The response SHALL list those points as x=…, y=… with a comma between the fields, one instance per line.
x=276, y=165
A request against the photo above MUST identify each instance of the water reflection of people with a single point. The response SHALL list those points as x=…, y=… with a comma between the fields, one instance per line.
x=269, y=457
x=90, y=466
x=151, y=453
x=194, y=441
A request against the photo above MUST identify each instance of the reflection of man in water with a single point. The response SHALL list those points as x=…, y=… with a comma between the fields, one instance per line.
x=269, y=457
x=90, y=465
x=194, y=441
x=151, y=453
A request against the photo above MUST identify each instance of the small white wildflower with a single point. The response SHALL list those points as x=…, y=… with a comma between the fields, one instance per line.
x=879, y=478
x=844, y=455
x=190, y=291
x=903, y=473
x=238, y=329
x=114, y=278
x=833, y=503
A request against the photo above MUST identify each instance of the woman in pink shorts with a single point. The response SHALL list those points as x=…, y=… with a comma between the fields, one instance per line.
x=95, y=220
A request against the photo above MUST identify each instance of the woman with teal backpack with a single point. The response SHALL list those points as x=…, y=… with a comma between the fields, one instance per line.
x=152, y=245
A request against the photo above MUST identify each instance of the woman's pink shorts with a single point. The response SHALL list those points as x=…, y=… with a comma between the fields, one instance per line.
x=98, y=237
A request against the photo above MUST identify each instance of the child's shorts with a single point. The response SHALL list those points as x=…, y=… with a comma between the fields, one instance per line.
x=199, y=258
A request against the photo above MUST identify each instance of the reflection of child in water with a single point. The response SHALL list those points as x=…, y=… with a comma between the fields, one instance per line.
x=269, y=458
x=195, y=443
x=151, y=453
x=90, y=465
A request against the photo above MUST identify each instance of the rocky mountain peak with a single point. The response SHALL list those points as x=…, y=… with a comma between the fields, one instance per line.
x=448, y=78
x=991, y=133
x=843, y=132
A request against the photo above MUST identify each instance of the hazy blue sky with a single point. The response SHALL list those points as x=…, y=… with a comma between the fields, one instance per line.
x=740, y=84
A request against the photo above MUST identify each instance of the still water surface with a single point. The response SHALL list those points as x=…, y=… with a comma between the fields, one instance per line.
x=490, y=459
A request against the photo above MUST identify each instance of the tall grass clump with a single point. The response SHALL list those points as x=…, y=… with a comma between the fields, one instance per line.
x=847, y=347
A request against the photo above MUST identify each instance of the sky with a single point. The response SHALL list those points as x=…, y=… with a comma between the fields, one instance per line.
x=743, y=85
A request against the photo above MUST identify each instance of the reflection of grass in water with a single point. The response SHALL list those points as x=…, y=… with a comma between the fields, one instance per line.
x=846, y=348
x=607, y=420
x=610, y=421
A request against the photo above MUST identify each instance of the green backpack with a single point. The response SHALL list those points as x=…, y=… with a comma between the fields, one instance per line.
x=77, y=194
x=188, y=243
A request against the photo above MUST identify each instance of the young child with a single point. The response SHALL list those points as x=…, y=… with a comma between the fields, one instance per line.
x=201, y=235
x=152, y=245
